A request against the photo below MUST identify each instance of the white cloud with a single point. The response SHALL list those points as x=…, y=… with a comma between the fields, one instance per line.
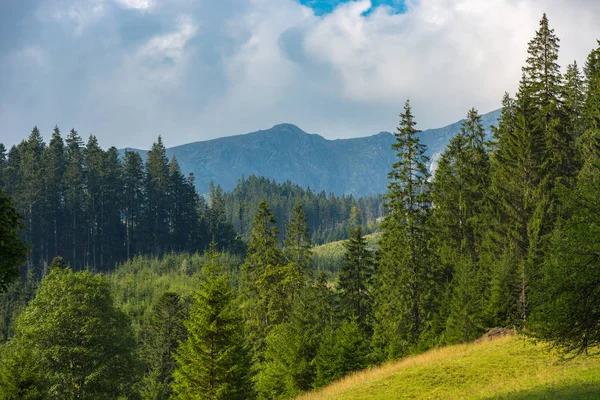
x=81, y=14
x=143, y=5
x=203, y=69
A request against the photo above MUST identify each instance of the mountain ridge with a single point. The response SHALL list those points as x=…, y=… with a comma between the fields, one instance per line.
x=356, y=166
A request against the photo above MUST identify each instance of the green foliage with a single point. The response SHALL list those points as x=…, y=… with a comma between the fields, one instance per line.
x=265, y=297
x=355, y=280
x=291, y=349
x=567, y=310
x=328, y=217
x=406, y=283
x=213, y=362
x=13, y=250
x=460, y=186
x=71, y=342
x=343, y=351
x=162, y=335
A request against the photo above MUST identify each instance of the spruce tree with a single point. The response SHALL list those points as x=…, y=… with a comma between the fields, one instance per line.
x=264, y=295
x=74, y=181
x=297, y=252
x=54, y=187
x=162, y=335
x=291, y=349
x=343, y=351
x=213, y=362
x=406, y=281
x=133, y=200
x=157, y=186
x=459, y=194
x=13, y=251
x=355, y=280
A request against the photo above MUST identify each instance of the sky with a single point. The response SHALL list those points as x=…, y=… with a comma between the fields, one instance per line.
x=190, y=70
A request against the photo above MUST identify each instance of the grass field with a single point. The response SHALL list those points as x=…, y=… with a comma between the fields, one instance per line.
x=329, y=256
x=506, y=368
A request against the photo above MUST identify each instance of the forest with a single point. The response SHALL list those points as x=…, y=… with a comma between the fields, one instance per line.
x=119, y=280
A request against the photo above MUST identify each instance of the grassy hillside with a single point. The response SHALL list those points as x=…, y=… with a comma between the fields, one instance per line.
x=329, y=255
x=505, y=368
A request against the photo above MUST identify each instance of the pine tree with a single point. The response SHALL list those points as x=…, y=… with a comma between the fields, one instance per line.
x=264, y=295
x=54, y=188
x=355, y=280
x=162, y=335
x=459, y=195
x=341, y=353
x=213, y=362
x=406, y=282
x=157, y=186
x=573, y=102
x=297, y=251
x=32, y=194
x=291, y=347
x=13, y=251
x=93, y=163
x=74, y=181
x=133, y=197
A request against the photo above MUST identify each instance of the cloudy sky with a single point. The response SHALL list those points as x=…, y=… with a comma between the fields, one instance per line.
x=129, y=70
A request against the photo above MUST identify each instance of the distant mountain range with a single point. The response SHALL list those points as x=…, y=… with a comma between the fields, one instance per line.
x=285, y=152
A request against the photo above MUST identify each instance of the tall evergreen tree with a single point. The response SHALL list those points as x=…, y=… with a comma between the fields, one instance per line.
x=213, y=362
x=32, y=194
x=74, y=180
x=459, y=194
x=54, y=162
x=13, y=251
x=406, y=282
x=157, y=186
x=264, y=295
x=297, y=251
x=355, y=280
x=133, y=201
x=163, y=333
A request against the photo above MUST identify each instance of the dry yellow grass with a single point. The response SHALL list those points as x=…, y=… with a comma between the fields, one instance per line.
x=508, y=368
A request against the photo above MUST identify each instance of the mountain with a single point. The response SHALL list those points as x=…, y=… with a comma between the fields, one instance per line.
x=356, y=166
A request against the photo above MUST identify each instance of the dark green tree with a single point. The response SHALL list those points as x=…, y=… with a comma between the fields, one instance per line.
x=355, y=277
x=406, y=282
x=343, y=351
x=213, y=362
x=264, y=296
x=162, y=335
x=157, y=186
x=133, y=201
x=13, y=251
x=459, y=194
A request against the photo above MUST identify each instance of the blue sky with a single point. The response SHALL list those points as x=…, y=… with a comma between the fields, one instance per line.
x=322, y=7
x=129, y=70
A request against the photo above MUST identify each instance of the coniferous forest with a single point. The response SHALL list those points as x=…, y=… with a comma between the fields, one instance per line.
x=119, y=280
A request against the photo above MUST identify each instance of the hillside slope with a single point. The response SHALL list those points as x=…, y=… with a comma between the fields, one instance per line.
x=505, y=368
x=356, y=166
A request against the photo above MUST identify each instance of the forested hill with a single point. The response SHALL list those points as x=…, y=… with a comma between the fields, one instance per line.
x=285, y=152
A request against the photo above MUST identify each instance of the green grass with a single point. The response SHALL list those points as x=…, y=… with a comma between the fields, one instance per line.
x=509, y=368
x=329, y=256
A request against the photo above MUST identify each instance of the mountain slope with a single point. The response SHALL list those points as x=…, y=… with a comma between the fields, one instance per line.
x=352, y=166
x=505, y=368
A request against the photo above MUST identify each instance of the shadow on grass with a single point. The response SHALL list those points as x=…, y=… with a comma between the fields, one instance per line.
x=582, y=391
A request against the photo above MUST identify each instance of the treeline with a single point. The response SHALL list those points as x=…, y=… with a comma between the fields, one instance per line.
x=95, y=209
x=505, y=234
x=329, y=217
